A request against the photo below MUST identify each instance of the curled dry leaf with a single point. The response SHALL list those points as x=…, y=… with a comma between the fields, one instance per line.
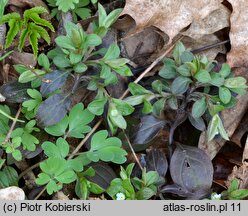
x=240, y=131
x=169, y=16
x=23, y=58
x=29, y=3
x=238, y=56
x=141, y=48
x=205, y=40
x=216, y=21
x=191, y=171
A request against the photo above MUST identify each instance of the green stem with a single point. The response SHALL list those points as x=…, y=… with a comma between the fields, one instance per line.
x=10, y=117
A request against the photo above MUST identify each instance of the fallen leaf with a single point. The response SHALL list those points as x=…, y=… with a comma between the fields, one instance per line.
x=29, y=3
x=238, y=56
x=155, y=160
x=205, y=40
x=52, y=110
x=169, y=16
x=23, y=58
x=15, y=92
x=142, y=47
x=240, y=173
x=215, y=21
x=240, y=131
x=191, y=171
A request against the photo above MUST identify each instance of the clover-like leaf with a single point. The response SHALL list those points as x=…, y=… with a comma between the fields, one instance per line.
x=60, y=149
x=106, y=149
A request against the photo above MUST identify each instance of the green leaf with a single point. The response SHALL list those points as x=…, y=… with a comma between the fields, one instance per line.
x=53, y=166
x=216, y=127
x=30, y=75
x=234, y=185
x=116, y=117
x=65, y=6
x=111, y=18
x=60, y=150
x=199, y=108
x=137, y=89
x=67, y=177
x=106, y=149
x=8, y=177
x=123, y=70
x=93, y=40
x=172, y=102
x=79, y=118
x=65, y=42
x=184, y=70
x=178, y=51
x=213, y=127
x=238, y=194
x=214, y=109
x=180, y=85
x=225, y=70
x=168, y=71
x=147, y=108
x=102, y=14
x=17, y=155
x=186, y=56
x=203, y=76
x=59, y=128
x=42, y=179
x=135, y=100
x=151, y=177
x=225, y=95
x=14, y=28
x=44, y=61
x=97, y=106
x=157, y=86
x=52, y=187
x=113, y=52
x=83, y=13
x=61, y=61
x=80, y=68
x=235, y=82
x=123, y=107
x=33, y=38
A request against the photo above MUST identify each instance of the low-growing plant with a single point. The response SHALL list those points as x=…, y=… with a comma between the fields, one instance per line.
x=188, y=85
x=57, y=170
x=77, y=8
x=31, y=27
x=232, y=193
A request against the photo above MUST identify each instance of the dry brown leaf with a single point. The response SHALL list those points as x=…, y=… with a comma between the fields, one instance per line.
x=214, y=22
x=205, y=40
x=238, y=56
x=140, y=47
x=240, y=173
x=169, y=16
x=240, y=131
x=29, y=3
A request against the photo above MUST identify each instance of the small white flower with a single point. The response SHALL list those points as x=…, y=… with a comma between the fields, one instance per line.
x=215, y=196
x=120, y=196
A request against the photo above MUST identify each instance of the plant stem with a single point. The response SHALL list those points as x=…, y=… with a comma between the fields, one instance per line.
x=141, y=76
x=12, y=126
x=42, y=191
x=133, y=152
x=85, y=139
x=28, y=170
